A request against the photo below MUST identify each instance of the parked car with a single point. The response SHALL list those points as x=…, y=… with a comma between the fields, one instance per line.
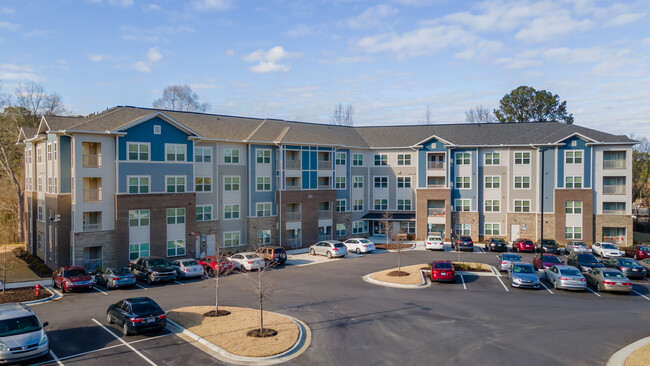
x=22, y=336
x=247, y=261
x=187, y=268
x=359, y=245
x=548, y=246
x=273, y=254
x=137, y=315
x=496, y=244
x=442, y=271
x=213, y=264
x=566, y=277
x=523, y=245
x=464, y=243
x=152, y=269
x=72, y=278
x=638, y=251
x=606, y=250
x=506, y=260
x=630, y=267
x=115, y=277
x=584, y=262
x=523, y=274
x=434, y=242
x=546, y=261
x=608, y=279
x=577, y=247
x=329, y=248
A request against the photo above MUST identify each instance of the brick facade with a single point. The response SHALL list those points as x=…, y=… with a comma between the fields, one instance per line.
x=309, y=208
x=104, y=239
x=624, y=221
x=261, y=223
x=564, y=195
x=466, y=218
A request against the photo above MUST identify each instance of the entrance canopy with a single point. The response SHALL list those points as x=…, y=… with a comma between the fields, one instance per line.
x=396, y=216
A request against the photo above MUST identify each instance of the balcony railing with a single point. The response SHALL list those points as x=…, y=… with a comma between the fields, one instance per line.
x=292, y=164
x=613, y=212
x=324, y=164
x=91, y=195
x=435, y=165
x=614, y=164
x=435, y=212
x=613, y=189
x=322, y=237
x=324, y=214
x=93, y=227
x=92, y=161
x=324, y=185
x=292, y=186
x=293, y=216
x=436, y=185
x=293, y=242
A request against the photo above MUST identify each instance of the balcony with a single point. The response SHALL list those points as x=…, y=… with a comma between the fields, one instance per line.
x=613, y=164
x=292, y=164
x=293, y=216
x=324, y=183
x=322, y=237
x=435, y=165
x=292, y=184
x=92, y=195
x=293, y=242
x=92, y=161
x=325, y=164
x=92, y=227
x=613, y=212
x=324, y=214
x=435, y=212
x=620, y=189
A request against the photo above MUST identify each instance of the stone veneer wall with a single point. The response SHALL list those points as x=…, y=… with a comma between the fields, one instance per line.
x=421, y=213
x=105, y=239
x=625, y=221
x=253, y=224
x=587, y=198
x=466, y=218
x=521, y=219
x=309, y=211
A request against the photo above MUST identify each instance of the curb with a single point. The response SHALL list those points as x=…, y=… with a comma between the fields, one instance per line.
x=55, y=296
x=304, y=340
x=425, y=282
x=618, y=358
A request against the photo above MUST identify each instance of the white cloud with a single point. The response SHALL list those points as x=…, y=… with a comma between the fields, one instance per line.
x=230, y=52
x=624, y=19
x=517, y=63
x=576, y=55
x=500, y=16
x=207, y=5
x=96, y=57
x=551, y=26
x=122, y=3
x=8, y=10
x=268, y=61
x=153, y=35
x=301, y=30
x=9, y=26
x=153, y=7
x=371, y=17
x=19, y=73
x=141, y=66
x=204, y=86
x=154, y=55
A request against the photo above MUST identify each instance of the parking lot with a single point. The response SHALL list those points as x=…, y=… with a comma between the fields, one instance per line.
x=479, y=319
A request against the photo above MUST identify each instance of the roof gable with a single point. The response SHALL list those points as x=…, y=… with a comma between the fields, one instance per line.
x=162, y=116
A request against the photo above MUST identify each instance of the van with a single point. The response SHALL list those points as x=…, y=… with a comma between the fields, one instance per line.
x=21, y=334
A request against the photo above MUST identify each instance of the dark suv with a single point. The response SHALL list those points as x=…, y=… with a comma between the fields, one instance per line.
x=549, y=246
x=274, y=255
x=584, y=262
x=496, y=244
x=464, y=243
x=152, y=269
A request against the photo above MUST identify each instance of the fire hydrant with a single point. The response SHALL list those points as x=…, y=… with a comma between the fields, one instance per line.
x=38, y=289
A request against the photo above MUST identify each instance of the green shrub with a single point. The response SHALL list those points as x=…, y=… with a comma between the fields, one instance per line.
x=44, y=271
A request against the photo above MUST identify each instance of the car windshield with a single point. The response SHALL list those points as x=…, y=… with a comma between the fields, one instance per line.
x=511, y=257
x=644, y=249
x=612, y=275
x=279, y=250
x=523, y=269
x=122, y=271
x=157, y=262
x=365, y=241
x=579, y=244
x=144, y=308
x=570, y=272
x=444, y=265
x=25, y=324
x=628, y=262
x=587, y=259
x=549, y=242
x=75, y=272
x=608, y=246
x=339, y=245
x=252, y=256
x=551, y=259
x=191, y=262
x=498, y=241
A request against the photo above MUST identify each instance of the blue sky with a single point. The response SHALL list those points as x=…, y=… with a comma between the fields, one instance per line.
x=296, y=60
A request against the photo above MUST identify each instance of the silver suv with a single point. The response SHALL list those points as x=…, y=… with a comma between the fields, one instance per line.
x=21, y=334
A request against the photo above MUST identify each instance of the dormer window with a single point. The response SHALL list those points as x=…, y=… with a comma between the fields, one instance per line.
x=156, y=129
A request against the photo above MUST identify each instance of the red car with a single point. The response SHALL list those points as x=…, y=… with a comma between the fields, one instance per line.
x=72, y=278
x=547, y=261
x=211, y=265
x=442, y=271
x=523, y=245
x=638, y=251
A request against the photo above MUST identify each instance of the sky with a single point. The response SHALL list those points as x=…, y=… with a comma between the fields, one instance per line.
x=296, y=60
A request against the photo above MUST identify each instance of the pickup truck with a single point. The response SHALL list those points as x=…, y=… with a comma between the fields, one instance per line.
x=152, y=269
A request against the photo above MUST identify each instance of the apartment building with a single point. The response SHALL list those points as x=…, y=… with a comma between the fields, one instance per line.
x=134, y=181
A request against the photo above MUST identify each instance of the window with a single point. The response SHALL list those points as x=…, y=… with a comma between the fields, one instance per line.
x=404, y=205
x=403, y=159
x=357, y=159
x=231, y=156
x=339, y=183
x=357, y=227
x=381, y=182
x=573, y=207
x=138, y=151
x=39, y=154
x=522, y=205
x=231, y=239
x=263, y=156
x=613, y=185
x=203, y=154
x=522, y=182
x=403, y=182
x=49, y=185
x=340, y=229
x=49, y=151
x=231, y=212
x=573, y=157
x=231, y=184
x=492, y=182
x=203, y=212
x=40, y=184
x=340, y=158
x=463, y=182
x=203, y=184
x=28, y=156
x=357, y=205
x=462, y=205
x=264, y=237
x=137, y=250
x=407, y=227
x=357, y=182
x=573, y=232
x=381, y=204
x=614, y=208
x=56, y=185
x=138, y=184
x=175, y=152
x=263, y=184
x=175, y=248
x=462, y=159
x=157, y=129
x=138, y=218
x=175, y=216
x=463, y=229
x=522, y=158
x=341, y=205
x=492, y=229
x=40, y=214
x=175, y=184
x=492, y=159
x=614, y=160
x=381, y=159
x=492, y=205
x=573, y=182
x=263, y=209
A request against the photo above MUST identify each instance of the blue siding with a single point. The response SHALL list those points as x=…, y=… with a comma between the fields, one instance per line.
x=429, y=146
x=143, y=132
x=345, y=193
x=305, y=160
x=586, y=156
x=157, y=173
x=305, y=180
x=472, y=193
x=313, y=179
x=257, y=197
x=549, y=172
x=65, y=159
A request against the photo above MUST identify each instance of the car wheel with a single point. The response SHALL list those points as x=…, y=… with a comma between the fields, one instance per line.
x=125, y=329
x=109, y=286
x=63, y=287
x=599, y=287
x=53, y=284
x=109, y=319
x=358, y=251
x=210, y=272
x=312, y=252
x=555, y=284
x=329, y=255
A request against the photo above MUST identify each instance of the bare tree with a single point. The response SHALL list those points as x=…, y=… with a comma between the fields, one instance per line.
x=221, y=271
x=428, y=118
x=180, y=98
x=479, y=114
x=342, y=115
x=32, y=98
x=263, y=288
x=641, y=172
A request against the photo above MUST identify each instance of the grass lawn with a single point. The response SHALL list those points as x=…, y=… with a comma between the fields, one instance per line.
x=640, y=357
x=17, y=269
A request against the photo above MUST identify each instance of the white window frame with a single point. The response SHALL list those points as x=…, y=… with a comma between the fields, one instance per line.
x=570, y=232
x=176, y=214
x=262, y=154
x=522, y=206
x=341, y=230
x=176, y=183
x=463, y=229
x=139, y=185
x=404, y=182
x=340, y=158
x=382, y=203
x=263, y=182
x=340, y=182
x=142, y=218
x=202, y=185
x=264, y=238
x=264, y=208
x=404, y=159
x=344, y=203
x=464, y=203
x=200, y=154
x=404, y=204
x=228, y=153
x=573, y=182
x=232, y=183
x=140, y=252
x=465, y=183
x=357, y=181
x=201, y=210
x=381, y=179
x=139, y=152
x=381, y=159
x=357, y=159
x=489, y=206
x=573, y=207
x=178, y=150
x=357, y=205
x=524, y=158
x=232, y=209
x=494, y=228
x=463, y=158
x=357, y=227
x=570, y=157
x=231, y=239
x=495, y=180
x=179, y=248
x=522, y=183
x=490, y=158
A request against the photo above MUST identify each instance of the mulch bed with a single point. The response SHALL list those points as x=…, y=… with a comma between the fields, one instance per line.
x=398, y=274
x=214, y=313
x=266, y=332
x=393, y=246
x=22, y=295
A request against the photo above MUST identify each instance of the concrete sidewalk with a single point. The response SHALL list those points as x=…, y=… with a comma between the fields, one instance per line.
x=43, y=282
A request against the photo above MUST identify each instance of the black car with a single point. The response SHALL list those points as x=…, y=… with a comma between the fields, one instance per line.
x=137, y=315
x=273, y=254
x=584, y=261
x=630, y=267
x=496, y=244
x=464, y=243
x=549, y=246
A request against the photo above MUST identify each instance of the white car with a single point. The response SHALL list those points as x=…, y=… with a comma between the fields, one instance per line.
x=359, y=245
x=434, y=242
x=187, y=267
x=247, y=261
x=606, y=250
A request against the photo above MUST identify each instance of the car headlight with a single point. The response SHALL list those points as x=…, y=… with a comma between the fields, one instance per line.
x=3, y=347
x=515, y=279
x=68, y=282
x=43, y=339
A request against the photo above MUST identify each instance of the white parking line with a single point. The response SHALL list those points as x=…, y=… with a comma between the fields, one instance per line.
x=482, y=251
x=96, y=289
x=463, y=280
x=502, y=284
x=547, y=289
x=638, y=293
x=179, y=283
x=593, y=292
x=56, y=358
x=126, y=344
x=142, y=287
